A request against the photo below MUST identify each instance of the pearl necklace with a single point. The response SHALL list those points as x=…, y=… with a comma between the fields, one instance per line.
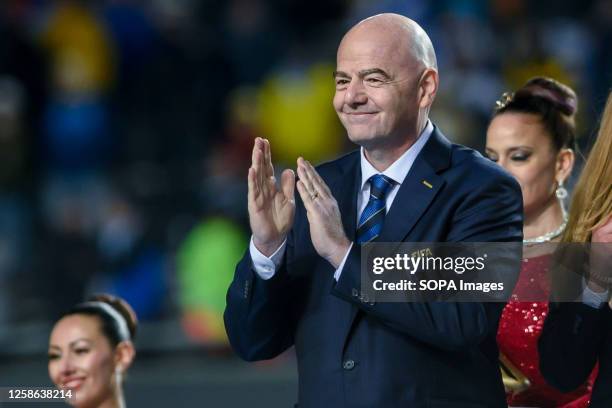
x=549, y=235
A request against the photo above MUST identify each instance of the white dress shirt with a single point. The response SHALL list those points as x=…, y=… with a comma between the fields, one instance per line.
x=266, y=267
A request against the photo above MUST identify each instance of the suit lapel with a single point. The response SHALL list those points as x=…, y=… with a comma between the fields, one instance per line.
x=418, y=189
x=414, y=196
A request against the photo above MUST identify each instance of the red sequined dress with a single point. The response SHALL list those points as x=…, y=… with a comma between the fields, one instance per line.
x=519, y=329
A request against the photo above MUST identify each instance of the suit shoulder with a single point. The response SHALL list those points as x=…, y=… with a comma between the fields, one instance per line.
x=470, y=163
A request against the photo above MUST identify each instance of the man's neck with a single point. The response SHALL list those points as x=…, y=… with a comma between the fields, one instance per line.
x=382, y=159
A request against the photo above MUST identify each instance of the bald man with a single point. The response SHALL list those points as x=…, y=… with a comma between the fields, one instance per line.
x=299, y=282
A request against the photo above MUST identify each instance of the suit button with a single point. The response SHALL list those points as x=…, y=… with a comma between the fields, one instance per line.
x=246, y=289
x=348, y=365
x=355, y=292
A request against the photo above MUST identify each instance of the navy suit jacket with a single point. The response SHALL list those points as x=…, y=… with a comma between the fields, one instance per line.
x=574, y=338
x=352, y=353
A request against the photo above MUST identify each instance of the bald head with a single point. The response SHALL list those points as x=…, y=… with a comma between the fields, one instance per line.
x=403, y=34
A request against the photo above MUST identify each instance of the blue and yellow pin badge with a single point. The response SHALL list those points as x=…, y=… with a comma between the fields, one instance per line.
x=427, y=183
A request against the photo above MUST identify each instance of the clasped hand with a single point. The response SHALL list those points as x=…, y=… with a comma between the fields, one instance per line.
x=272, y=208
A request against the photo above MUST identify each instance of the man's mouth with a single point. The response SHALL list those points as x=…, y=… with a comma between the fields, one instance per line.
x=359, y=117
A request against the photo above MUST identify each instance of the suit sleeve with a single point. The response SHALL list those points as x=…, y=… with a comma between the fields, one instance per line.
x=258, y=315
x=491, y=212
x=570, y=342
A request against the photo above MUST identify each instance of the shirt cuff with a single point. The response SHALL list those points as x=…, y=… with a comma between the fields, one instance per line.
x=591, y=298
x=338, y=271
x=266, y=267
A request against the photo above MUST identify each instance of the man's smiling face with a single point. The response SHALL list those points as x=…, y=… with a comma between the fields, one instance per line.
x=376, y=86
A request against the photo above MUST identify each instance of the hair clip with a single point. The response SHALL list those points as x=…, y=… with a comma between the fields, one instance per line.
x=505, y=99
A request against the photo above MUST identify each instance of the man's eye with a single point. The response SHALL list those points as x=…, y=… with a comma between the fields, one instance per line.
x=374, y=82
x=340, y=82
x=81, y=350
x=53, y=356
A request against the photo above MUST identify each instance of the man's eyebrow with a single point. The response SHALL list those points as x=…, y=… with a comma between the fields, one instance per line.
x=370, y=71
x=363, y=73
x=340, y=74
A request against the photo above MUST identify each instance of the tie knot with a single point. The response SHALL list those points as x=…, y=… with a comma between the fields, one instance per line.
x=380, y=186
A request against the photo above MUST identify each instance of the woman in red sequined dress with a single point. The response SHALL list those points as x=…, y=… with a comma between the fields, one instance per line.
x=532, y=135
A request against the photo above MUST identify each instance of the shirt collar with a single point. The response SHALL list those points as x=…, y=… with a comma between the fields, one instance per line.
x=400, y=168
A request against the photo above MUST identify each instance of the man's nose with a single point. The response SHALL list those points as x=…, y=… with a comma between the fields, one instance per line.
x=355, y=93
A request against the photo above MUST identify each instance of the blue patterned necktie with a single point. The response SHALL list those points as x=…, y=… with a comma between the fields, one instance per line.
x=373, y=216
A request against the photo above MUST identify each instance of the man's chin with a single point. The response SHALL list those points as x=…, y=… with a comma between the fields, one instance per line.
x=363, y=138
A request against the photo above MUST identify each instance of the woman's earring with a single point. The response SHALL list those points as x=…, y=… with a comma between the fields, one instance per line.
x=561, y=192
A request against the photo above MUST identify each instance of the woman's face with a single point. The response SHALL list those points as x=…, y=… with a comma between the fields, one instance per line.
x=81, y=360
x=519, y=143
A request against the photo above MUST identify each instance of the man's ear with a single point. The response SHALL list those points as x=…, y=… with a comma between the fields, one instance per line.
x=564, y=165
x=428, y=87
x=124, y=355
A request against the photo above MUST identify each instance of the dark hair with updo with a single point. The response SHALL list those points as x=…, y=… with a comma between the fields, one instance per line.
x=555, y=103
x=113, y=312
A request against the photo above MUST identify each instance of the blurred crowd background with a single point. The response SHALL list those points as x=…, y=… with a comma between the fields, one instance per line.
x=126, y=128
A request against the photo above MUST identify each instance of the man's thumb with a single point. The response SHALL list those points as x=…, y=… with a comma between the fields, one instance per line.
x=288, y=184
